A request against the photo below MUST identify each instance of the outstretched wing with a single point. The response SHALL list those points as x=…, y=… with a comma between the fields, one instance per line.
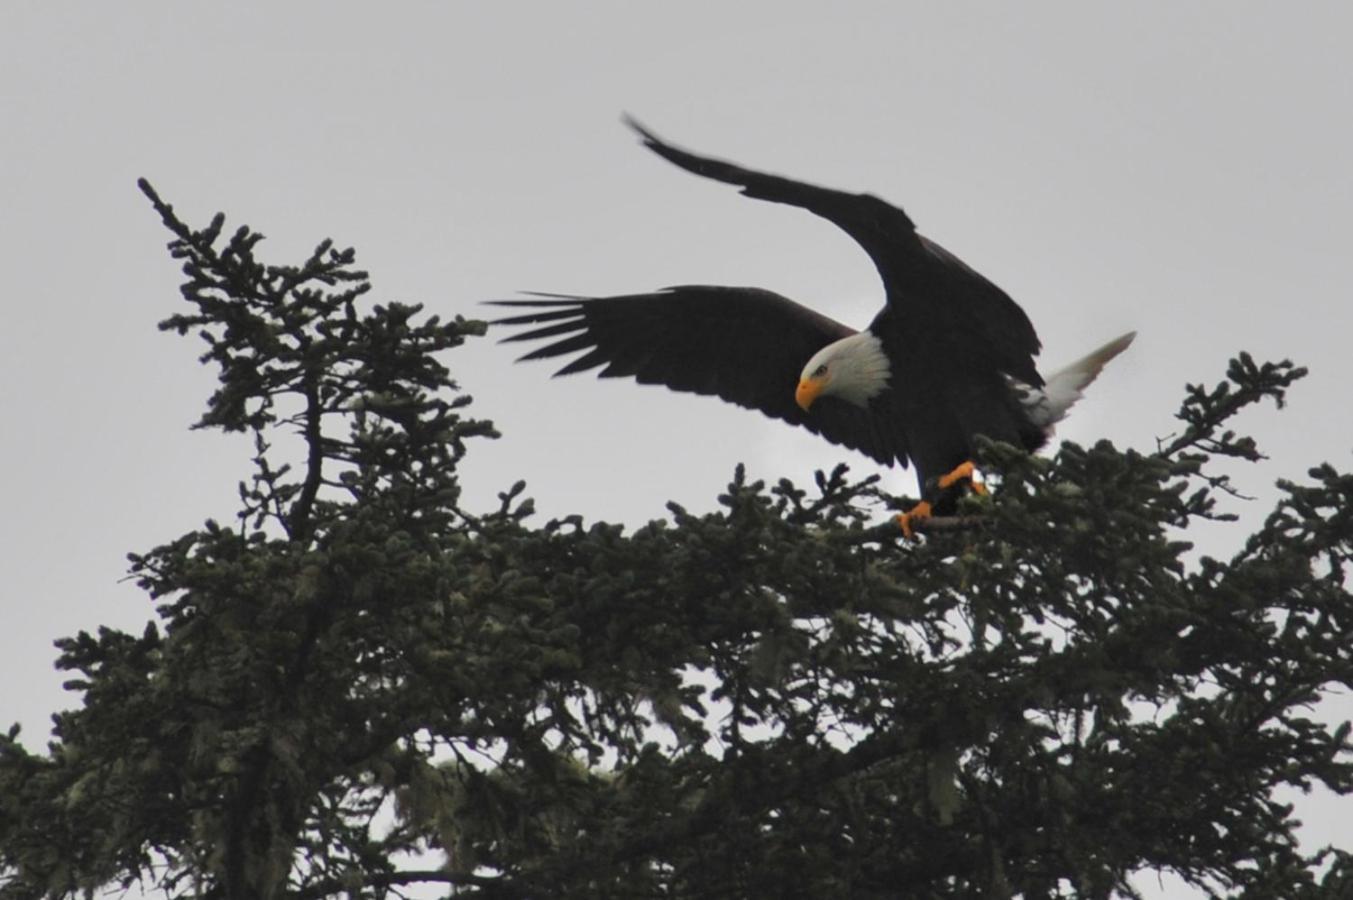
x=744, y=345
x=885, y=232
x=932, y=294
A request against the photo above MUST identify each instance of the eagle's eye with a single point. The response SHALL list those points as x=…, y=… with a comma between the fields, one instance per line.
x=820, y=371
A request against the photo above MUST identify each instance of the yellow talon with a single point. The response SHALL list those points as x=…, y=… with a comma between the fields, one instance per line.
x=964, y=472
x=920, y=511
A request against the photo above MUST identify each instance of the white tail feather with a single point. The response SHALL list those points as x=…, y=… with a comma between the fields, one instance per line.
x=1048, y=405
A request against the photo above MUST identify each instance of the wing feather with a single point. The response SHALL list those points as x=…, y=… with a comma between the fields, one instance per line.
x=536, y=334
x=935, y=300
x=744, y=345
x=883, y=230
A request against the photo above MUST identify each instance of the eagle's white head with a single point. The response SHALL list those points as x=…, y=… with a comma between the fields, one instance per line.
x=855, y=369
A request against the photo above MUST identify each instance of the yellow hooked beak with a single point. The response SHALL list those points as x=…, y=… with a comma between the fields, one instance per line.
x=808, y=391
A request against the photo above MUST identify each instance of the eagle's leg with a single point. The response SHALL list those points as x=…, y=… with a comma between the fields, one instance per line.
x=963, y=472
x=922, y=510
x=926, y=508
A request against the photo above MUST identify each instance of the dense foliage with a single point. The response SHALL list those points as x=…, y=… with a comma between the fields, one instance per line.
x=356, y=685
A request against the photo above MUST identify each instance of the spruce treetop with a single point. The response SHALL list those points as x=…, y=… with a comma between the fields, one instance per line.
x=352, y=685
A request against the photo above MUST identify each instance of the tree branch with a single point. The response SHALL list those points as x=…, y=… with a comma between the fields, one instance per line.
x=890, y=531
x=490, y=887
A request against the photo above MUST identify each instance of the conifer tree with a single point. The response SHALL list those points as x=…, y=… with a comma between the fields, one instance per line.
x=354, y=684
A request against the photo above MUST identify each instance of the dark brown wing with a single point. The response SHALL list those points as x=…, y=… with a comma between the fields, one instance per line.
x=744, y=345
x=884, y=231
x=934, y=298
x=996, y=331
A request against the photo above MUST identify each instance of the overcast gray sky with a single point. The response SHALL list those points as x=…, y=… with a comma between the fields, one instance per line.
x=1181, y=169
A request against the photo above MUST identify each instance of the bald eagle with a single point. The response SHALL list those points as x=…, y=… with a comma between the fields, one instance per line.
x=950, y=356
